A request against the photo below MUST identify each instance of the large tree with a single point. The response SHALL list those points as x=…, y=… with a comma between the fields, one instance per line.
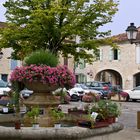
x=53, y=24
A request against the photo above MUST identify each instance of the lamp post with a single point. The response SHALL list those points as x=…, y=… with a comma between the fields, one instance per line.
x=132, y=32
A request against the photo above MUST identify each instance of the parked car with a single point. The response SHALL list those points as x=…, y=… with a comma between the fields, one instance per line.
x=4, y=88
x=25, y=93
x=76, y=93
x=80, y=90
x=104, y=87
x=6, y=106
x=87, y=90
x=134, y=94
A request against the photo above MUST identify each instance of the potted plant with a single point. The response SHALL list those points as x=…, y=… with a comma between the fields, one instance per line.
x=33, y=115
x=91, y=97
x=39, y=68
x=42, y=76
x=110, y=110
x=107, y=111
x=62, y=95
x=113, y=111
x=57, y=116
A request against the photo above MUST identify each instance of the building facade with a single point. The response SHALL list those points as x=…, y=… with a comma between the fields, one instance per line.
x=120, y=66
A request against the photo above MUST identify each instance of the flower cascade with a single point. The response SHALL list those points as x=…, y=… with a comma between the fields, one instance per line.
x=59, y=75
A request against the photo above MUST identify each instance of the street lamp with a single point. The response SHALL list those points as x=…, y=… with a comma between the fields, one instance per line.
x=131, y=32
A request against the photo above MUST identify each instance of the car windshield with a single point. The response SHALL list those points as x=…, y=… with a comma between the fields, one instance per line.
x=3, y=84
x=84, y=86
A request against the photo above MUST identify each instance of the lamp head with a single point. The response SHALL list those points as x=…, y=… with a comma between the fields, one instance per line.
x=131, y=32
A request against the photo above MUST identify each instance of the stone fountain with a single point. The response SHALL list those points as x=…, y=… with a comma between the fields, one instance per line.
x=44, y=99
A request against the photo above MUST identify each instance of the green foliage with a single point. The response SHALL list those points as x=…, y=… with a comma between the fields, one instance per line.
x=33, y=114
x=106, y=108
x=46, y=24
x=56, y=114
x=42, y=57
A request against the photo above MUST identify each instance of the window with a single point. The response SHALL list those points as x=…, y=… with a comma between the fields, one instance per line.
x=114, y=54
x=98, y=54
x=4, y=77
x=76, y=65
x=82, y=64
x=81, y=78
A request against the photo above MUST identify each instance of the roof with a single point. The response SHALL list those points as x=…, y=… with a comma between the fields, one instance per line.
x=122, y=37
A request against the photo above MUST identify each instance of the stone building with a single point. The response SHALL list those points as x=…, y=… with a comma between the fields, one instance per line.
x=119, y=66
x=7, y=64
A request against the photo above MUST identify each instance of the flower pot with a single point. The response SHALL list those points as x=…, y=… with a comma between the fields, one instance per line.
x=57, y=125
x=39, y=87
x=17, y=124
x=111, y=120
x=35, y=126
x=101, y=124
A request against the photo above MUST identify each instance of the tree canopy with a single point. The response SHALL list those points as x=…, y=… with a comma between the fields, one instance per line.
x=54, y=25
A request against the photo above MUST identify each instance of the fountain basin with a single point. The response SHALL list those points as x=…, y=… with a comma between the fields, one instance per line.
x=63, y=133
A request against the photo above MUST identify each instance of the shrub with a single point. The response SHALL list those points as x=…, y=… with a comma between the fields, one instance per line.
x=41, y=57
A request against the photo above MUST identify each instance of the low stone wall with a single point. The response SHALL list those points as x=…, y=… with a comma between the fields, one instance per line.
x=64, y=133
x=117, y=98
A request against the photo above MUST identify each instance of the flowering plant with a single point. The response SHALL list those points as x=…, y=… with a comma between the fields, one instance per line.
x=90, y=97
x=59, y=75
x=124, y=94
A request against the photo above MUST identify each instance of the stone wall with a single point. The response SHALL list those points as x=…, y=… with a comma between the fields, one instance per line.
x=64, y=133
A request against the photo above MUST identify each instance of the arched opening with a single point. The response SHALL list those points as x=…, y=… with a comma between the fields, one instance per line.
x=136, y=79
x=109, y=75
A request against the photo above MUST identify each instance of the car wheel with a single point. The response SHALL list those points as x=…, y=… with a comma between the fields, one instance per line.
x=74, y=97
x=134, y=100
x=127, y=98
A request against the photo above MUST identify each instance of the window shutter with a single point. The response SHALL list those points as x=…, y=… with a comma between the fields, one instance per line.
x=138, y=54
x=101, y=54
x=119, y=54
x=111, y=54
x=82, y=64
x=13, y=64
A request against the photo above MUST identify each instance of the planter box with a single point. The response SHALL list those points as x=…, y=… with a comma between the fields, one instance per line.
x=117, y=98
x=111, y=120
x=76, y=112
x=88, y=124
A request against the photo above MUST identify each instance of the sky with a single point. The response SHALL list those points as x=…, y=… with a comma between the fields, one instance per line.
x=128, y=12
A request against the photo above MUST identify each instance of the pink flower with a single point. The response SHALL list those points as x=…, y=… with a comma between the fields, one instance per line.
x=60, y=75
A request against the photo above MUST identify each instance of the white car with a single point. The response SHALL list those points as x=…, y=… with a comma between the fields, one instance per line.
x=76, y=93
x=25, y=93
x=4, y=87
x=79, y=90
x=87, y=90
x=134, y=94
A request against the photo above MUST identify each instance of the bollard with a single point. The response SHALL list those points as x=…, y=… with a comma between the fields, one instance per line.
x=138, y=119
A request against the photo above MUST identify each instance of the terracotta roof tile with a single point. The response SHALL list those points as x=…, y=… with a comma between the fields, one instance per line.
x=122, y=37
